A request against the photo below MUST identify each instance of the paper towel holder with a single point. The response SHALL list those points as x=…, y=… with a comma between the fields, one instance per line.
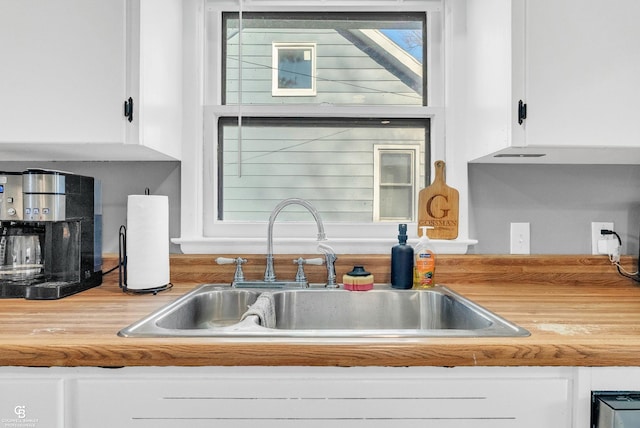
x=122, y=267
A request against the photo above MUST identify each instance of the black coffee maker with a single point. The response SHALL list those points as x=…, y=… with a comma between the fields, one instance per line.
x=50, y=234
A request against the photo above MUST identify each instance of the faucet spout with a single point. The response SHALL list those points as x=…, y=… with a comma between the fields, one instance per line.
x=269, y=273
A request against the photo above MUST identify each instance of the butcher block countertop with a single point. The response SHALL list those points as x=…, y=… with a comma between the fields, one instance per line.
x=579, y=310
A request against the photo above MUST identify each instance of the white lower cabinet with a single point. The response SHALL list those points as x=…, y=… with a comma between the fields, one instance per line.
x=323, y=397
x=306, y=397
x=31, y=402
x=287, y=397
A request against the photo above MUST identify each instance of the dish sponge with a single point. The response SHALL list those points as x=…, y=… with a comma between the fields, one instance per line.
x=358, y=279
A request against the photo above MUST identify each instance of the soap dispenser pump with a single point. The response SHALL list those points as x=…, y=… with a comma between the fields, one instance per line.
x=402, y=261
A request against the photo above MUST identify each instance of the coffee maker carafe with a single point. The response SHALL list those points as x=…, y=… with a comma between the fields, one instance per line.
x=20, y=254
x=50, y=234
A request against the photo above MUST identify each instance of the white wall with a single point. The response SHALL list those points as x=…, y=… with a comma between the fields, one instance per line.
x=560, y=202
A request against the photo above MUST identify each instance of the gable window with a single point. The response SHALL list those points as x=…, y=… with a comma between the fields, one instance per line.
x=337, y=103
x=294, y=69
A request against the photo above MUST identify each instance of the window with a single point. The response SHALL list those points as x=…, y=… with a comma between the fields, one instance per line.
x=294, y=69
x=367, y=58
x=309, y=99
x=396, y=182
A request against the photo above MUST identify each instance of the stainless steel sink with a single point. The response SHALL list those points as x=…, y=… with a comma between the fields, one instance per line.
x=376, y=310
x=207, y=309
x=217, y=311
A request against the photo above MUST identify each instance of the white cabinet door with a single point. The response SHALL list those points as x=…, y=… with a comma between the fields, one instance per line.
x=155, y=76
x=62, y=78
x=313, y=398
x=69, y=65
x=31, y=402
x=582, y=68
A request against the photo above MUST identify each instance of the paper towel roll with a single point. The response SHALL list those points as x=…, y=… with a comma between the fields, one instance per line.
x=147, y=241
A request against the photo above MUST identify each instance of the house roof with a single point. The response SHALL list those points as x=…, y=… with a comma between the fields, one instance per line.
x=388, y=54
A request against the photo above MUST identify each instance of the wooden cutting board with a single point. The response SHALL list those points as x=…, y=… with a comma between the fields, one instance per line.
x=438, y=207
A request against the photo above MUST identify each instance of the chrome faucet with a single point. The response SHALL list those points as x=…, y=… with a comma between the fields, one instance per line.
x=330, y=256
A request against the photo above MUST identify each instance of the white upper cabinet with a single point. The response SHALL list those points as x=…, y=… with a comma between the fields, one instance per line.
x=70, y=65
x=575, y=64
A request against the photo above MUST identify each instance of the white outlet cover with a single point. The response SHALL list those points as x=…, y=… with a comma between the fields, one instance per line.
x=596, y=227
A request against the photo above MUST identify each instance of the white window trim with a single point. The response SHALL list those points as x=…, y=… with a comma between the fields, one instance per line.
x=202, y=234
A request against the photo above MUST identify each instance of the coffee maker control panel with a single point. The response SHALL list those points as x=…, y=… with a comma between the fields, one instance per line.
x=11, y=208
x=44, y=196
x=43, y=207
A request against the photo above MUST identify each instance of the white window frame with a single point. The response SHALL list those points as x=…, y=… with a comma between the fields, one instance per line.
x=276, y=90
x=202, y=233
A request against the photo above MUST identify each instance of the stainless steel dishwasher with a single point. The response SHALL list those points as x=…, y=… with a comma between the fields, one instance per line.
x=615, y=409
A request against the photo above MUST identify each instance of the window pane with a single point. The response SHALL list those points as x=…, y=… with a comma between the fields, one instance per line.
x=396, y=203
x=366, y=58
x=329, y=162
x=396, y=168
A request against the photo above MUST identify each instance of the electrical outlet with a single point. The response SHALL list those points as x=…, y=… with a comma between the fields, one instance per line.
x=520, y=238
x=596, y=227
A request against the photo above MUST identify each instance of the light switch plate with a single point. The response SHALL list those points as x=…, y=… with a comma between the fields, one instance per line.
x=520, y=238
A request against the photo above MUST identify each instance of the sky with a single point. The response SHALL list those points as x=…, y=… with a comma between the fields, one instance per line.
x=398, y=36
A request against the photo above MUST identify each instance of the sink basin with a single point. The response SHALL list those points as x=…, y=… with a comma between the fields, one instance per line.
x=217, y=311
x=212, y=309
x=376, y=310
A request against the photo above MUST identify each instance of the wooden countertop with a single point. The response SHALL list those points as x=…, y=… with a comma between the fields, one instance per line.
x=579, y=311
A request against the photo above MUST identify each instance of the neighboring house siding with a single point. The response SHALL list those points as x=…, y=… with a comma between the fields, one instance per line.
x=345, y=73
x=293, y=162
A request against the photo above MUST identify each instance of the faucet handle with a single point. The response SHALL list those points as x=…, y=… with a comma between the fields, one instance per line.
x=239, y=274
x=300, y=275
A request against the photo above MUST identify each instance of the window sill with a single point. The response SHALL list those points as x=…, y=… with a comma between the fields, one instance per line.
x=201, y=245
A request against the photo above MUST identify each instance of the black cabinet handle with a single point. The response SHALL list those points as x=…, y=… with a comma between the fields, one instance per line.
x=128, y=109
x=522, y=112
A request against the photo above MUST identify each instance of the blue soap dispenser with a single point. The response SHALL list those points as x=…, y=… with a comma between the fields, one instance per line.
x=402, y=261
